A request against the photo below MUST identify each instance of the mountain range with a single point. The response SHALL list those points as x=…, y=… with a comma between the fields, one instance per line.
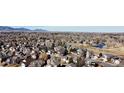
x=8, y=28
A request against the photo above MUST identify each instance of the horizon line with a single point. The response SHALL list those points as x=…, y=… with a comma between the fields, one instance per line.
x=106, y=29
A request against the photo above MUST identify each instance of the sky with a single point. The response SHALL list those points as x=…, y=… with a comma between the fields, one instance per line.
x=78, y=28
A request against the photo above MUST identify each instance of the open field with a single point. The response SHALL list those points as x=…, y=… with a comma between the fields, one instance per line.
x=113, y=51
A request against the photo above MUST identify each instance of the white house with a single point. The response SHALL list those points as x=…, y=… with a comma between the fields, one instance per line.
x=115, y=61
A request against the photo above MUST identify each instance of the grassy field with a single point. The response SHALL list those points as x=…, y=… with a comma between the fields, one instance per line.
x=114, y=51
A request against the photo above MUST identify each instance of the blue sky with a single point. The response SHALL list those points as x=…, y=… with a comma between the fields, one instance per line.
x=78, y=28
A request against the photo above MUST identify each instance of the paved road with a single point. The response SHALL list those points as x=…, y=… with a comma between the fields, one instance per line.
x=105, y=64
